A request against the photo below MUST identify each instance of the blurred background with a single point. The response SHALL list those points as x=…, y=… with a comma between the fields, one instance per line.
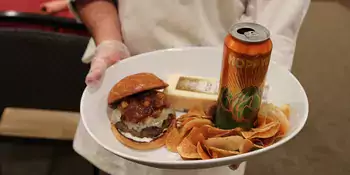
x=43, y=79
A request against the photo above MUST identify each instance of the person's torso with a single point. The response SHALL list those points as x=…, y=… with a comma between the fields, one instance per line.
x=158, y=24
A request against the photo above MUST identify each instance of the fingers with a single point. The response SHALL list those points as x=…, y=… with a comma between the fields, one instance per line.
x=112, y=60
x=93, y=78
x=112, y=51
x=234, y=166
x=106, y=54
x=97, y=69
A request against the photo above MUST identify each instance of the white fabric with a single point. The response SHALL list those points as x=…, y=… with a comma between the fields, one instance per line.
x=108, y=162
x=156, y=24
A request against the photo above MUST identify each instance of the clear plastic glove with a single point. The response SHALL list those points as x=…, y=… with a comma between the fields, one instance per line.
x=106, y=54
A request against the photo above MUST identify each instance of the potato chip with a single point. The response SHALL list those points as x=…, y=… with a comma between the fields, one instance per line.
x=173, y=139
x=246, y=146
x=269, y=133
x=192, y=114
x=195, y=136
x=231, y=143
x=189, y=116
x=207, y=117
x=209, y=131
x=268, y=141
x=196, y=111
x=257, y=144
x=213, y=154
x=211, y=109
x=256, y=147
x=217, y=152
x=253, y=131
x=194, y=123
x=184, y=121
x=263, y=120
x=274, y=113
x=257, y=141
x=283, y=121
x=265, y=127
x=271, y=140
x=202, y=152
x=185, y=117
x=184, y=158
x=286, y=110
x=206, y=148
x=187, y=149
x=264, y=131
x=232, y=132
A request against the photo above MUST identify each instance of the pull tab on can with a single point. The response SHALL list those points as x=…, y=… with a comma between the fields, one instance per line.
x=249, y=32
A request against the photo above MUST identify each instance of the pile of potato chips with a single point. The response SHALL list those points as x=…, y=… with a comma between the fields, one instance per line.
x=195, y=136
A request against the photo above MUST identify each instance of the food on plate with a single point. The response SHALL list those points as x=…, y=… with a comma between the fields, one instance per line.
x=263, y=131
x=186, y=92
x=196, y=137
x=141, y=115
x=245, y=62
x=286, y=110
x=143, y=119
x=270, y=113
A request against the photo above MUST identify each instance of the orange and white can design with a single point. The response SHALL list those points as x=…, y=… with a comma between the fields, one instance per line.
x=245, y=62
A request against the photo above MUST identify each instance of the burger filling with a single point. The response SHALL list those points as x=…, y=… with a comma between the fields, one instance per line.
x=143, y=115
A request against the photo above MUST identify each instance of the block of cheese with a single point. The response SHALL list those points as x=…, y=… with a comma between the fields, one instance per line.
x=185, y=92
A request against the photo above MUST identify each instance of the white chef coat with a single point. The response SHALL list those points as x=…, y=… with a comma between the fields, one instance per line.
x=148, y=25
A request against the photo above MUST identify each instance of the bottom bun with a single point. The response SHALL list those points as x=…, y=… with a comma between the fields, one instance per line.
x=154, y=144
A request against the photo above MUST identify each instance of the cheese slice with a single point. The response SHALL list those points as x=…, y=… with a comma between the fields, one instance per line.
x=185, y=92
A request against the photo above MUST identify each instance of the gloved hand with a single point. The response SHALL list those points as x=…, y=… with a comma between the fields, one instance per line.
x=106, y=54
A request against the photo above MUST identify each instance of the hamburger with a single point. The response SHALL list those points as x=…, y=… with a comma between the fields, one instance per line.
x=141, y=116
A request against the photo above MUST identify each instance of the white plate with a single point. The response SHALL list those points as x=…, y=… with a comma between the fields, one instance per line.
x=195, y=61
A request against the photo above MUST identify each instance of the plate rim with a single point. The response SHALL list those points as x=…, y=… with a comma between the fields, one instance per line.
x=198, y=162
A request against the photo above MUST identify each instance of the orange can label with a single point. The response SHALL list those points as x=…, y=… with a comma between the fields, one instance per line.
x=244, y=68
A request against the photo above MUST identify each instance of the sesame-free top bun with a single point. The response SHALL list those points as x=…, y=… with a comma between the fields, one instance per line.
x=133, y=84
x=154, y=144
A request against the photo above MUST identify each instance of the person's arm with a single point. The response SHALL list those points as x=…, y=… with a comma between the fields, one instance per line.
x=100, y=17
x=283, y=18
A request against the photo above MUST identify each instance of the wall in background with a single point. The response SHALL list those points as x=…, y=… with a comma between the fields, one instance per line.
x=32, y=6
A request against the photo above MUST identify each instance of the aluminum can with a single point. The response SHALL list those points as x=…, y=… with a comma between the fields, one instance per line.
x=245, y=62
